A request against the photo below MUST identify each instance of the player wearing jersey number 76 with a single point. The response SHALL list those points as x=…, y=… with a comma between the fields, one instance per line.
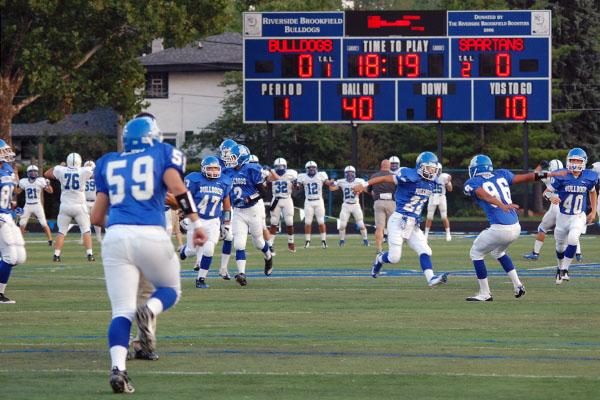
x=131, y=188
x=491, y=189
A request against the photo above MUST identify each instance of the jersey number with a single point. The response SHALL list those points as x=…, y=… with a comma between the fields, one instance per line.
x=502, y=195
x=573, y=204
x=313, y=188
x=141, y=173
x=72, y=181
x=31, y=193
x=238, y=192
x=415, y=204
x=203, y=205
x=280, y=187
x=90, y=186
x=5, y=196
x=349, y=194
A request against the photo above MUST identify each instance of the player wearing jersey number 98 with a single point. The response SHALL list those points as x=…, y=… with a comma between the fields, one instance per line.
x=131, y=188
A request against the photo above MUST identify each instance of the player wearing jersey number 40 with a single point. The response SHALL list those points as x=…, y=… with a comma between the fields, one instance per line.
x=491, y=190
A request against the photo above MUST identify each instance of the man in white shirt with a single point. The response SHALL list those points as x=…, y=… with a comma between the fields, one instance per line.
x=282, y=203
x=351, y=204
x=313, y=181
x=33, y=186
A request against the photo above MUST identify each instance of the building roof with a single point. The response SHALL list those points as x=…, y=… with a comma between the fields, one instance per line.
x=102, y=120
x=215, y=53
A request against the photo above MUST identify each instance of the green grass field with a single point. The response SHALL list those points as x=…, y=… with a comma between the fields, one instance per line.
x=319, y=328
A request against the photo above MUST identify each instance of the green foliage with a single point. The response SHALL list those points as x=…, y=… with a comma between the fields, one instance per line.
x=90, y=147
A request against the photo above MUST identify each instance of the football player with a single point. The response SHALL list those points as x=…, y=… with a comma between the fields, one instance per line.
x=394, y=164
x=131, y=188
x=413, y=188
x=210, y=189
x=261, y=209
x=351, y=204
x=313, y=181
x=33, y=186
x=572, y=189
x=491, y=189
x=72, y=178
x=248, y=188
x=90, y=196
x=282, y=202
x=438, y=200
x=12, y=245
x=549, y=218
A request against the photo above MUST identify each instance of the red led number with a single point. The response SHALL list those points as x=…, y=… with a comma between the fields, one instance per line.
x=438, y=108
x=305, y=66
x=358, y=107
x=286, y=108
x=515, y=107
x=502, y=64
x=465, y=70
x=408, y=65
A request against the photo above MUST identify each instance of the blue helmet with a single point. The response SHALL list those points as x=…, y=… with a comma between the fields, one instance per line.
x=138, y=134
x=239, y=155
x=208, y=167
x=576, y=154
x=480, y=164
x=225, y=151
x=156, y=134
x=6, y=152
x=427, y=165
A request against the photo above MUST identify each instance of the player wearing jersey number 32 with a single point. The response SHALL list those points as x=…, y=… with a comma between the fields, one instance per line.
x=131, y=188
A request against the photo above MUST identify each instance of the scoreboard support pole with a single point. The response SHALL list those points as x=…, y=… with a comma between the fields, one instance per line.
x=440, y=141
x=355, y=145
x=269, y=142
x=526, y=167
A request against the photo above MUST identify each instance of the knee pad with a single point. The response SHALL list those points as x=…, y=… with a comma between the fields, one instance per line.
x=573, y=238
x=444, y=214
x=209, y=249
x=342, y=227
x=11, y=256
x=497, y=254
x=430, y=215
x=239, y=243
x=394, y=254
x=475, y=255
x=321, y=221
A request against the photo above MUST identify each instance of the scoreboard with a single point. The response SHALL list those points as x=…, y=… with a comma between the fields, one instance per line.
x=397, y=67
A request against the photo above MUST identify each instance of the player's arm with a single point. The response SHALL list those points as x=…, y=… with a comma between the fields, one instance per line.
x=537, y=175
x=594, y=204
x=171, y=201
x=333, y=187
x=485, y=196
x=449, y=184
x=49, y=174
x=18, y=188
x=272, y=176
x=48, y=188
x=100, y=209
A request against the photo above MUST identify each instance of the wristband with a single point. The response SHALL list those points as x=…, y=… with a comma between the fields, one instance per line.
x=227, y=215
x=186, y=203
x=539, y=175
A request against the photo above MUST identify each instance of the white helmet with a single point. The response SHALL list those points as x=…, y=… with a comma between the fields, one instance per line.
x=394, y=160
x=555, y=165
x=253, y=159
x=90, y=164
x=74, y=160
x=311, y=168
x=350, y=173
x=32, y=172
x=280, y=162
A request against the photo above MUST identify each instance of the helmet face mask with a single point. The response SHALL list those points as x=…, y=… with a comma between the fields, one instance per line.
x=480, y=164
x=350, y=173
x=7, y=154
x=225, y=152
x=428, y=165
x=280, y=166
x=32, y=172
x=394, y=163
x=311, y=168
x=211, y=168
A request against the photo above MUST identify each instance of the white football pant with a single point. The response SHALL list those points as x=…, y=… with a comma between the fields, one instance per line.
x=400, y=229
x=285, y=207
x=68, y=212
x=36, y=210
x=12, y=245
x=494, y=240
x=314, y=208
x=437, y=201
x=351, y=210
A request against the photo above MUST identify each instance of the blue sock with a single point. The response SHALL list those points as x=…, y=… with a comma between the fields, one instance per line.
x=118, y=332
x=385, y=258
x=227, y=244
x=506, y=263
x=205, y=263
x=480, y=269
x=265, y=248
x=560, y=254
x=5, y=270
x=425, y=260
x=570, y=251
x=240, y=254
x=167, y=296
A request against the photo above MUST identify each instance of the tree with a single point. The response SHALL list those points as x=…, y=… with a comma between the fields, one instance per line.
x=70, y=56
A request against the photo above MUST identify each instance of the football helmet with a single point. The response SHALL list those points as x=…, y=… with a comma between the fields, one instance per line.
x=156, y=133
x=225, y=151
x=138, y=134
x=576, y=154
x=280, y=166
x=6, y=152
x=349, y=173
x=211, y=167
x=32, y=172
x=394, y=163
x=479, y=165
x=74, y=160
x=555, y=165
x=90, y=164
x=253, y=159
x=427, y=165
x=238, y=156
x=311, y=168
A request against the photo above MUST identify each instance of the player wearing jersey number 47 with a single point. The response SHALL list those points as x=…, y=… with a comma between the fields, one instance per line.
x=573, y=189
x=131, y=189
x=413, y=188
x=491, y=189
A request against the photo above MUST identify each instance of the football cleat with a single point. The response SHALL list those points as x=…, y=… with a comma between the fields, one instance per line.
x=558, y=277
x=201, y=283
x=342, y=243
x=438, y=280
x=565, y=275
x=56, y=258
x=225, y=275
x=90, y=257
x=366, y=242
x=182, y=255
x=324, y=244
x=520, y=291
x=272, y=250
x=531, y=256
x=480, y=297
x=448, y=237
x=269, y=266
x=140, y=354
x=579, y=257
x=145, y=322
x=49, y=242
x=5, y=300
x=292, y=247
x=119, y=381
x=307, y=244
x=376, y=267
x=241, y=279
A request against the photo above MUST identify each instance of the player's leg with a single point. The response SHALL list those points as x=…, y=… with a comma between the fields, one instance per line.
x=145, y=290
x=12, y=250
x=504, y=239
x=309, y=212
x=320, y=216
x=344, y=216
x=275, y=215
x=357, y=212
x=288, y=217
x=431, y=207
x=578, y=255
x=443, y=207
x=255, y=227
x=189, y=248
x=63, y=221
x=239, y=227
x=561, y=232
x=395, y=241
x=380, y=224
x=27, y=211
x=207, y=251
x=483, y=244
x=418, y=243
x=83, y=220
x=226, y=253
x=41, y=217
x=576, y=224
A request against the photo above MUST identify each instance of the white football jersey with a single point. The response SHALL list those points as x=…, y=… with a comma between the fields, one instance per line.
x=440, y=184
x=282, y=187
x=72, y=183
x=90, y=190
x=313, y=185
x=347, y=189
x=33, y=189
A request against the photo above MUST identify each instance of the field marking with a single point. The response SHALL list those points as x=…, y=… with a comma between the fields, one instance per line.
x=311, y=373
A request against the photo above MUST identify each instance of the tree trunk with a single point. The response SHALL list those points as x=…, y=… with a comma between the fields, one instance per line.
x=7, y=94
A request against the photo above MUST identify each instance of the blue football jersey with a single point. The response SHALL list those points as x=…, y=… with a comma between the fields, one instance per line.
x=134, y=183
x=496, y=183
x=573, y=192
x=208, y=193
x=7, y=185
x=245, y=181
x=412, y=192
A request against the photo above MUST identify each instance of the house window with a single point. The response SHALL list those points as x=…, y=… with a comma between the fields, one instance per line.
x=157, y=85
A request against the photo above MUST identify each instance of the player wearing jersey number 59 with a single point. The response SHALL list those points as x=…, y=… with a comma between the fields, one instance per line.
x=33, y=186
x=491, y=189
x=573, y=189
x=413, y=188
x=131, y=188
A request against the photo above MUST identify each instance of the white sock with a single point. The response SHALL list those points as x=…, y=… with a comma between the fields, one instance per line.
x=271, y=240
x=578, y=251
x=537, y=246
x=484, y=287
x=89, y=251
x=290, y=238
x=566, y=263
x=428, y=274
x=155, y=305
x=448, y=231
x=57, y=253
x=2, y=287
x=118, y=356
x=307, y=237
x=342, y=234
x=202, y=273
x=514, y=278
x=224, y=262
x=426, y=231
x=324, y=236
x=241, y=266
x=363, y=233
